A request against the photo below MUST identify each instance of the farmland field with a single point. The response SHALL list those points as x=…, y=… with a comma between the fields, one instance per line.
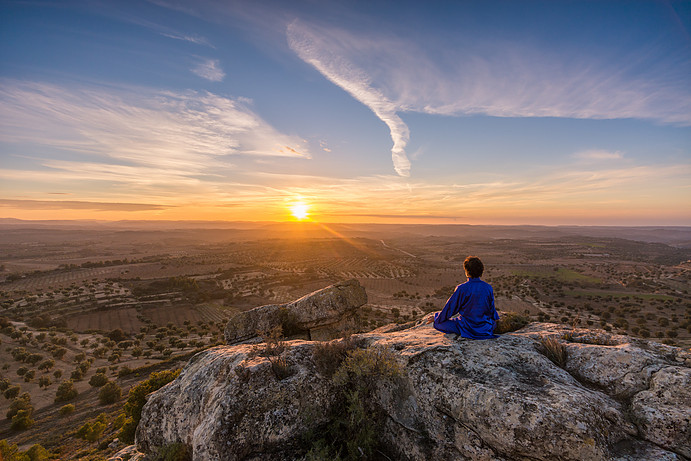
x=79, y=302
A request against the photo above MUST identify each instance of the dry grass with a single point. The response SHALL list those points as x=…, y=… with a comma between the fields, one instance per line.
x=329, y=356
x=282, y=368
x=553, y=350
x=511, y=321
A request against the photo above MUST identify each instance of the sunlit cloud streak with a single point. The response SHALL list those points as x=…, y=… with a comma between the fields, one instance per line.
x=596, y=154
x=319, y=50
x=78, y=205
x=187, y=131
x=209, y=69
x=392, y=75
x=559, y=190
x=507, y=80
x=196, y=39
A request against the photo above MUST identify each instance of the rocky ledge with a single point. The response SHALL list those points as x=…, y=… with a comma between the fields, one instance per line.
x=324, y=314
x=544, y=392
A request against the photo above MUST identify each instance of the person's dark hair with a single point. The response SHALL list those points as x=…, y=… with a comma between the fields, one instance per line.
x=473, y=266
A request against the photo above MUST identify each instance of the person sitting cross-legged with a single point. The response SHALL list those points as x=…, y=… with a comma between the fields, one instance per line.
x=470, y=310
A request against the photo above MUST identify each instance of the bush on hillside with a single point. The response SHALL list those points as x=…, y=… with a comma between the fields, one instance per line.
x=511, y=321
x=109, y=393
x=65, y=392
x=136, y=399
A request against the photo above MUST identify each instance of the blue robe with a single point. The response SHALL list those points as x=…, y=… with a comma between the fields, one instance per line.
x=474, y=301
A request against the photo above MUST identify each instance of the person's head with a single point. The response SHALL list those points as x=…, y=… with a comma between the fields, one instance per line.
x=473, y=267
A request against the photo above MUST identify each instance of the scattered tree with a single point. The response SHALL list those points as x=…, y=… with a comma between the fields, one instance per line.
x=66, y=409
x=98, y=380
x=65, y=392
x=109, y=393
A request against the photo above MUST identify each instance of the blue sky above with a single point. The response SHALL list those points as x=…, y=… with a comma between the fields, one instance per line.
x=480, y=112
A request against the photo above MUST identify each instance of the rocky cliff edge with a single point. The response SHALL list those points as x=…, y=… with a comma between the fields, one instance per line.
x=613, y=397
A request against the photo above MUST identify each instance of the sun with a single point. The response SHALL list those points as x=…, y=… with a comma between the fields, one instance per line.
x=300, y=211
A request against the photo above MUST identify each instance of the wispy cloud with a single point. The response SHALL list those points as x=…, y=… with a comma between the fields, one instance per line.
x=193, y=38
x=210, y=69
x=318, y=49
x=508, y=80
x=153, y=141
x=324, y=146
x=557, y=192
x=145, y=127
x=392, y=75
x=78, y=205
x=598, y=154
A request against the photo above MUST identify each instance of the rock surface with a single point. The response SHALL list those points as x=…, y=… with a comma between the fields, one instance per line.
x=323, y=314
x=617, y=398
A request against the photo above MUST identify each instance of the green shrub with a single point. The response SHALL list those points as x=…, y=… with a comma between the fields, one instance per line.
x=98, y=380
x=22, y=420
x=11, y=452
x=38, y=453
x=354, y=419
x=23, y=402
x=65, y=392
x=66, y=410
x=511, y=321
x=11, y=392
x=124, y=371
x=119, y=421
x=136, y=399
x=328, y=357
x=109, y=393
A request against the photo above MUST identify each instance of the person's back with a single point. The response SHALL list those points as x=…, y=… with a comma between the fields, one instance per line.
x=473, y=302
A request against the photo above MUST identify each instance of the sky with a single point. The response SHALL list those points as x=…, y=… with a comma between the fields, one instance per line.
x=494, y=112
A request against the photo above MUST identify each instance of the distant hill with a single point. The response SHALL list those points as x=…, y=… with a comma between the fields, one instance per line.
x=679, y=236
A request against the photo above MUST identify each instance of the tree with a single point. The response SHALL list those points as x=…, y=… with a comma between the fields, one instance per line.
x=22, y=420
x=59, y=353
x=23, y=402
x=10, y=452
x=117, y=335
x=34, y=358
x=44, y=381
x=11, y=392
x=66, y=409
x=38, y=453
x=77, y=375
x=65, y=392
x=98, y=380
x=109, y=393
x=96, y=431
x=46, y=365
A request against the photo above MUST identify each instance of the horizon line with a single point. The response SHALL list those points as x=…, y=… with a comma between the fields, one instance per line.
x=4, y=221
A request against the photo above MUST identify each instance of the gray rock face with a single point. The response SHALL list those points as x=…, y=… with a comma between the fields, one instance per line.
x=497, y=399
x=323, y=314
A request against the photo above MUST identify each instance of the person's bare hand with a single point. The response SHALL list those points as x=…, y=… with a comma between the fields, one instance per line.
x=430, y=319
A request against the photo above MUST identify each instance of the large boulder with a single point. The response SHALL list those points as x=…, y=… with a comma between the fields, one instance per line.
x=455, y=399
x=324, y=314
